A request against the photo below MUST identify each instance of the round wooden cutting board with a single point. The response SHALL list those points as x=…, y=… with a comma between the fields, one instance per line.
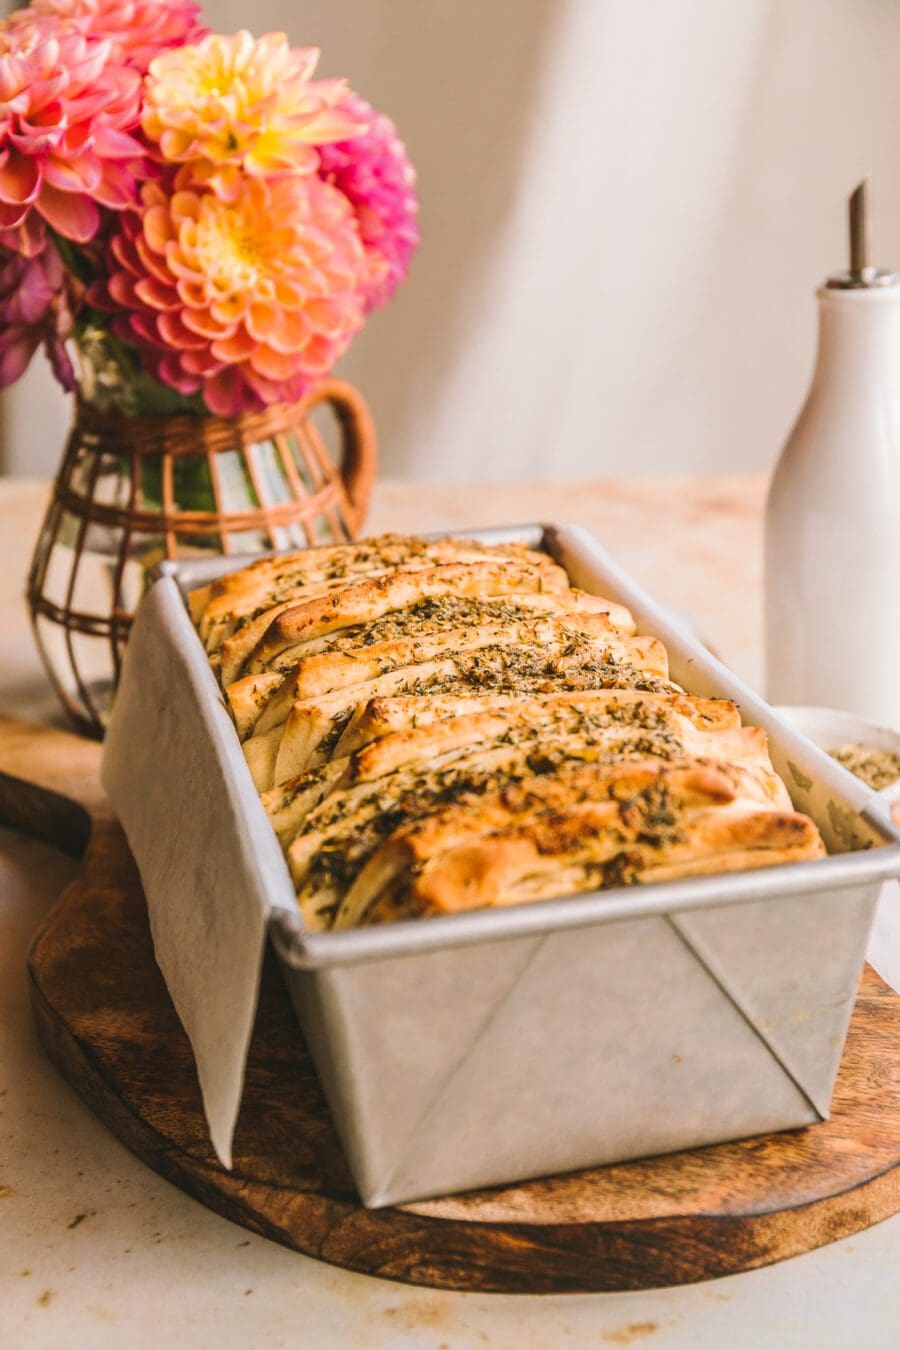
x=106, y=1021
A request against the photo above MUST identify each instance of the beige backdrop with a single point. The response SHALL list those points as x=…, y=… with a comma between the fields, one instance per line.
x=626, y=206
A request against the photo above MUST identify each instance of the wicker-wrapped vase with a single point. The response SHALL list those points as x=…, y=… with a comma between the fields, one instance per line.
x=132, y=491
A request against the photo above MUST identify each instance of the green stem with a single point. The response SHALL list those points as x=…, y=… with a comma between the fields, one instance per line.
x=112, y=376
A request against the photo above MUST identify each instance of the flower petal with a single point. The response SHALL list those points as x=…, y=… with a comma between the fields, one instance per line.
x=227, y=396
x=11, y=217
x=20, y=178
x=72, y=175
x=16, y=350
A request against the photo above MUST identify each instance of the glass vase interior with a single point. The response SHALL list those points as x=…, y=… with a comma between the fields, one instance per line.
x=132, y=491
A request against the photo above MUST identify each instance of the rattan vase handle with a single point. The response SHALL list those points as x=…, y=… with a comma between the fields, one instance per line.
x=359, y=444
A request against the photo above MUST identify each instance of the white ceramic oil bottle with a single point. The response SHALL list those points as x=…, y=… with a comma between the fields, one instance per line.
x=833, y=515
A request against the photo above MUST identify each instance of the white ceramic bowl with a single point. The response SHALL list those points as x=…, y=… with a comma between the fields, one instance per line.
x=830, y=729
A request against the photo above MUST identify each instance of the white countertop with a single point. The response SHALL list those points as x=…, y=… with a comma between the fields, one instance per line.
x=97, y=1251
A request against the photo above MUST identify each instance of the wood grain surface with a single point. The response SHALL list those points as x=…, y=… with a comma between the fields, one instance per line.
x=106, y=1021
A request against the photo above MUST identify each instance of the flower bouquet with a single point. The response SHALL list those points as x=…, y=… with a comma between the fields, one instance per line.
x=193, y=228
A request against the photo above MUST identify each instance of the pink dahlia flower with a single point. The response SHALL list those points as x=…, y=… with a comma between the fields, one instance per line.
x=137, y=29
x=33, y=310
x=248, y=302
x=66, y=119
x=375, y=174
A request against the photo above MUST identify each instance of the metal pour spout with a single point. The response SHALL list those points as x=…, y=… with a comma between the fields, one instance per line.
x=862, y=274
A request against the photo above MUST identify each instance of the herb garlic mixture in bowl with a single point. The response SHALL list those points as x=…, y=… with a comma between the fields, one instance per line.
x=869, y=751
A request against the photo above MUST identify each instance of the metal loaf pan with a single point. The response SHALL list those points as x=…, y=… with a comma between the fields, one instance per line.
x=494, y=1046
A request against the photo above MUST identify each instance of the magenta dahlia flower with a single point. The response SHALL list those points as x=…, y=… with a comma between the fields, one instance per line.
x=34, y=311
x=375, y=174
x=246, y=302
x=137, y=29
x=66, y=118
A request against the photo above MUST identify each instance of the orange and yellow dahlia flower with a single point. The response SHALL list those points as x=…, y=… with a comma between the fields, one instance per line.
x=248, y=302
x=240, y=103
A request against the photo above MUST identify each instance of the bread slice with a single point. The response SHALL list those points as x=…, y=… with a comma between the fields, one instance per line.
x=313, y=727
x=242, y=632
x=249, y=695
x=542, y=732
x=421, y=616
x=384, y=716
x=329, y=837
x=243, y=594
x=253, y=647
x=587, y=827
x=259, y=702
x=514, y=868
x=448, y=614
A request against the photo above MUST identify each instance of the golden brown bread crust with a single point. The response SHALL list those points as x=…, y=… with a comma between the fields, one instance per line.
x=313, y=726
x=438, y=614
x=268, y=581
x=329, y=836
x=535, y=735
x=252, y=648
x=260, y=702
x=593, y=826
x=513, y=869
x=429, y=617
x=441, y=725
x=238, y=634
x=369, y=599
x=383, y=716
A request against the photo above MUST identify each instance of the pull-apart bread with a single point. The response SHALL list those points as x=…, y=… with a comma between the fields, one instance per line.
x=443, y=725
